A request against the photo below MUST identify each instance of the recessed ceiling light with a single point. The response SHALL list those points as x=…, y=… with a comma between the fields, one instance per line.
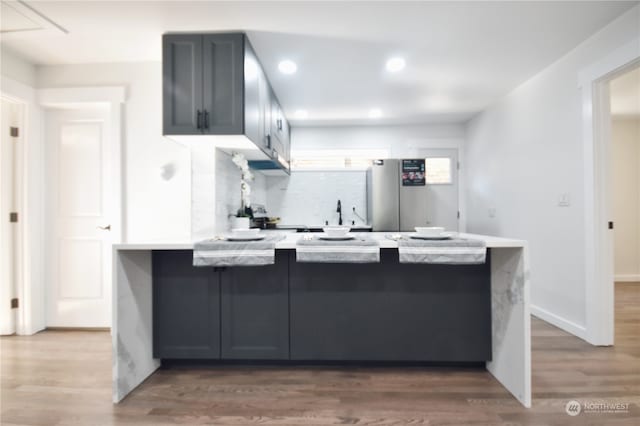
x=395, y=64
x=287, y=67
x=375, y=113
x=302, y=114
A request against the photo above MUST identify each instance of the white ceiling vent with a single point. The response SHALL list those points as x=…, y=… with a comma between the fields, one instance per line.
x=18, y=19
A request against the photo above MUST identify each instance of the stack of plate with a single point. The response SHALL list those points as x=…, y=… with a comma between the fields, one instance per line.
x=245, y=235
x=336, y=233
x=431, y=233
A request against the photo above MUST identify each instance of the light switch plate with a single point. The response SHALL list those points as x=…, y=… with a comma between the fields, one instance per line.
x=564, y=200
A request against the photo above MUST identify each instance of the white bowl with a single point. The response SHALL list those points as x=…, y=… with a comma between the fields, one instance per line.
x=336, y=231
x=429, y=231
x=242, y=232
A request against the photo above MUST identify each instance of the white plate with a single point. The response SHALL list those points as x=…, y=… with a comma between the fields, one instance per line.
x=245, y=237
x=443, y=236
x=336, y=237
x=336, y=231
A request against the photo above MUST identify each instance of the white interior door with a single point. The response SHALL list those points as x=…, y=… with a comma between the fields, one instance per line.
x=441, y=169
x=77, y=218
x=11, y=117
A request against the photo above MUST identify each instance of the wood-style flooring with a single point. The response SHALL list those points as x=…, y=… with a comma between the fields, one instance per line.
x=64, y=378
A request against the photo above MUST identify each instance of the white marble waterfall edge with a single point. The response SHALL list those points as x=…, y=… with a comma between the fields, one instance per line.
x=132, y=330
x=511, y=321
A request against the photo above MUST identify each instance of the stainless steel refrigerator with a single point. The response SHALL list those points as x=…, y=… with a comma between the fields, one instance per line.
x=394, y=205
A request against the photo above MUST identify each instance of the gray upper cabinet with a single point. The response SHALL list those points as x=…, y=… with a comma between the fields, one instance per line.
x=182, y=84
x=279, y=130
x=253, y=111
x=213, y=84
x=203, y=84
x=223, y=81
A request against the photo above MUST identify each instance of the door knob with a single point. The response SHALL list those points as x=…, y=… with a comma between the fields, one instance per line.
x=105, y=228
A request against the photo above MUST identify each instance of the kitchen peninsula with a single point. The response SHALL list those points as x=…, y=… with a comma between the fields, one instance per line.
x=330, y=312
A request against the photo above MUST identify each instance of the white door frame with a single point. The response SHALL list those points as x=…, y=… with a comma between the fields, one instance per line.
x=29, y=288
x=414, y=145
x=16, y=253
x=596, y=120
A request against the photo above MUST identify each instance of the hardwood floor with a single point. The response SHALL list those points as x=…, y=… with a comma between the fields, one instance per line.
x=64, y=378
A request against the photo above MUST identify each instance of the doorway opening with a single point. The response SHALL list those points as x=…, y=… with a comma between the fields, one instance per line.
x=442, y=180
x=595, y=83
x=625, y=183
x=11, y=138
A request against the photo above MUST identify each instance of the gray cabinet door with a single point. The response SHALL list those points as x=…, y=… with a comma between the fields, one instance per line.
x=253, y=113
x=390, y=311
x=223, y=82
x=255, y=311
x=181, y=83
x=286, y=138
x=277, y=126
x=265, y=113
x=186, y=307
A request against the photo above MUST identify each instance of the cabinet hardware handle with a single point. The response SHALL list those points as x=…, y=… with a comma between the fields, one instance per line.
x=199, y=120
x=206, y=119
x=269, y=141
x=279, y=124
x=105, y=228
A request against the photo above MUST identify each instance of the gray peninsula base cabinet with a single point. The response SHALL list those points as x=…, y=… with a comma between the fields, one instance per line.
x=306, y=312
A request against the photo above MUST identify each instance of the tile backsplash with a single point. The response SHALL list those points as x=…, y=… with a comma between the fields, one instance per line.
x=304, y=198
x=228, y=190
x=215, y=191
x=311, y=197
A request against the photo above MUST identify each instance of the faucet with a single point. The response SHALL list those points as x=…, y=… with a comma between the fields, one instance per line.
x=339, y=210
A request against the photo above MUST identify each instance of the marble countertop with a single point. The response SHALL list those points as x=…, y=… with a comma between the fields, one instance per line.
x=289, y=242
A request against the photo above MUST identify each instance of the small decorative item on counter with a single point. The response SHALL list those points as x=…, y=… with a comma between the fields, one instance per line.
x=241, y=219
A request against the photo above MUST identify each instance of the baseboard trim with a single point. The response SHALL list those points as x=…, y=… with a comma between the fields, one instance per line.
x=626, y=278
x=77, y=329
x=562, y=323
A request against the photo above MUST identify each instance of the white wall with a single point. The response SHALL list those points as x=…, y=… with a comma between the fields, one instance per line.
x=13, y=66
x=522, y=153
x=155, y=206
x=399, y=141
x=311, y=197
x=625, y=136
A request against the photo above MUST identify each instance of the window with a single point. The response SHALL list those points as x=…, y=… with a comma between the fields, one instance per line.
x=335, y=159
x=438, y=170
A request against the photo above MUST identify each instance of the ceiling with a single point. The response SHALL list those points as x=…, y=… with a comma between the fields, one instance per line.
x=625, y=94
x=460, y=56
